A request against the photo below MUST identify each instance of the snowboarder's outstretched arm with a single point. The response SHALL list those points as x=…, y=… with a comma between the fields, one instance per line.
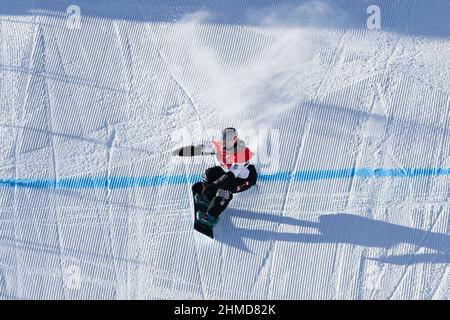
x=191, y=151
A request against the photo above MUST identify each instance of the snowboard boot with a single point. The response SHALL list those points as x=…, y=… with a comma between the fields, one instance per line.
x=202, y=215
x=206, y=219
x=202, y=203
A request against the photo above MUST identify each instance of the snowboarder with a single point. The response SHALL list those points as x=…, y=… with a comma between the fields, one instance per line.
x=232, y=174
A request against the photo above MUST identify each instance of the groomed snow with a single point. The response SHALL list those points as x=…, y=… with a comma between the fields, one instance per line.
x=351, y=127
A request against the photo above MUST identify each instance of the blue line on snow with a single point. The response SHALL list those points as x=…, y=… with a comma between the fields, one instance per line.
x=153, y=181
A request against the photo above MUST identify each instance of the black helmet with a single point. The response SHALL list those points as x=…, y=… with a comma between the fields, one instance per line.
x=229, y=134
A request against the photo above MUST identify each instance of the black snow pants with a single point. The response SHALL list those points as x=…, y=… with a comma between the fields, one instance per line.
x=219, y=187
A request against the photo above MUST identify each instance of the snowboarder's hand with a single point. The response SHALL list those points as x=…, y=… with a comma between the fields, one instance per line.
x=243, y=186
x=176, y=152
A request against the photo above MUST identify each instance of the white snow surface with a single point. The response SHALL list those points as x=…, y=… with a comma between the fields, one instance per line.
x=111, y=99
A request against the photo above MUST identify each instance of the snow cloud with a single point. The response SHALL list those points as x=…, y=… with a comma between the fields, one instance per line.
x=247, y=77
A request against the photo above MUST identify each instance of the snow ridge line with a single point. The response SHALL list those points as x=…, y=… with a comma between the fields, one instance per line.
x=118, y=182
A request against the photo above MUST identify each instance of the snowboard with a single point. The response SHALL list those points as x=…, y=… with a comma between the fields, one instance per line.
x=198, y=226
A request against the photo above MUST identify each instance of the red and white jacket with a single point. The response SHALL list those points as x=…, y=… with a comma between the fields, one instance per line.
x=235, y=160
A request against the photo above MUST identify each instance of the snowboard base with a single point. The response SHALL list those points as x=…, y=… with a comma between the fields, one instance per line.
x=198, y=226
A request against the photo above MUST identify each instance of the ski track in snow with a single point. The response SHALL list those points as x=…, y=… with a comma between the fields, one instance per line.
x=357, y=208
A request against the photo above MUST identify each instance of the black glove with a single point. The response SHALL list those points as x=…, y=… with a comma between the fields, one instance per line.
x=189, y=151
x=242, y=186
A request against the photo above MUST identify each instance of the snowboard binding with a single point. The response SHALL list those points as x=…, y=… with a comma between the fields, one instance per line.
x=201, y=214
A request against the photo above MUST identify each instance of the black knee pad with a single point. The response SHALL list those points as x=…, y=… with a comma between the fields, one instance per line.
x=227, y=181
x=212, y=174
x=197, y=187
